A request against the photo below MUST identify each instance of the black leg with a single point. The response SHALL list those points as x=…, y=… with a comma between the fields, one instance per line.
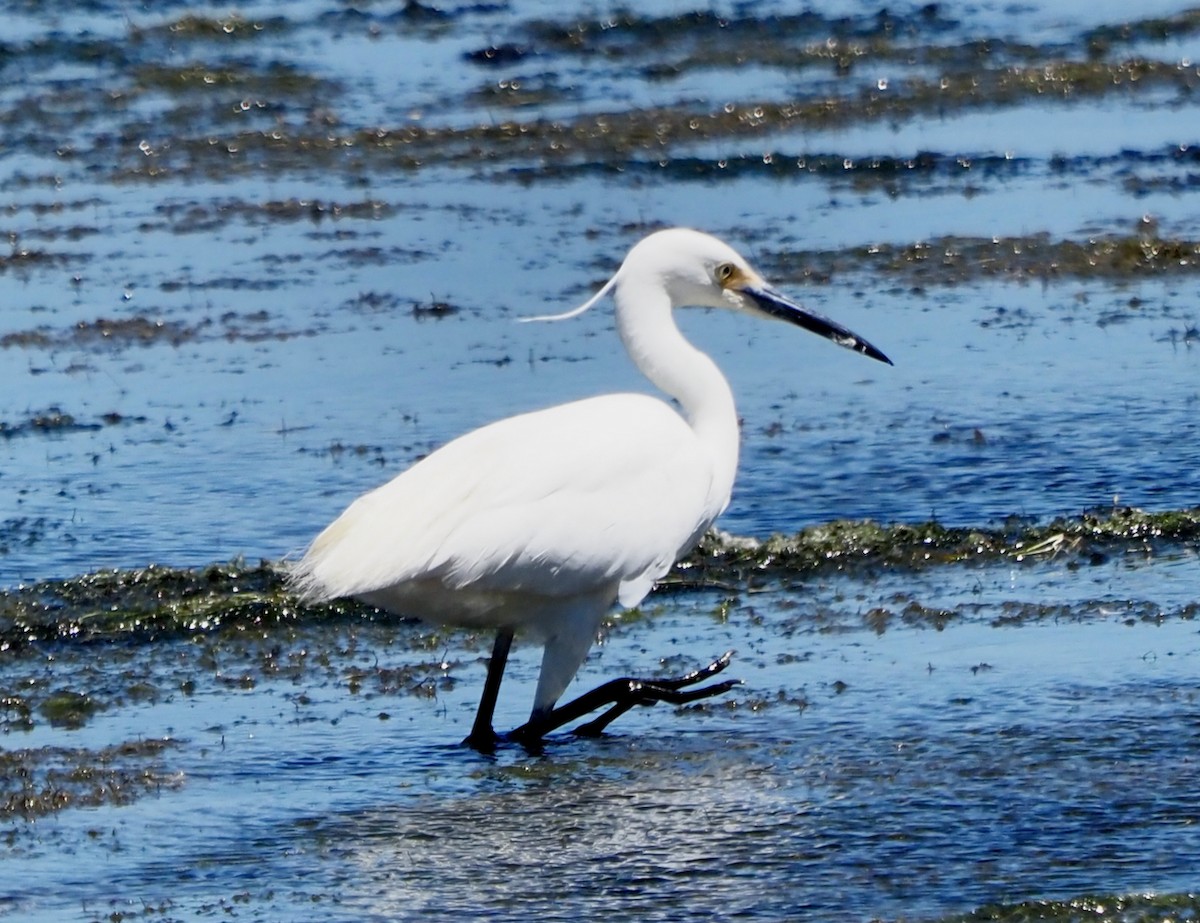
x=624, y=694
x=482, y=737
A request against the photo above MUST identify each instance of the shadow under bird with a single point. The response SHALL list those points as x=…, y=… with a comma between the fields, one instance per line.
x=541, y=522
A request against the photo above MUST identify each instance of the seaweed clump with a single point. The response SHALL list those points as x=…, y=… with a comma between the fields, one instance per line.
x=850, y=544
x=156, y=603
x=42, y=781
x=161, y=603
x=1120, y=908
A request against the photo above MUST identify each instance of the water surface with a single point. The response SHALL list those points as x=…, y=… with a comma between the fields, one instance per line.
x=258, y=262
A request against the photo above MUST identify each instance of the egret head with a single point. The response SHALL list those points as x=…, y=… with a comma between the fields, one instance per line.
x=699, y=270
x=695, y=269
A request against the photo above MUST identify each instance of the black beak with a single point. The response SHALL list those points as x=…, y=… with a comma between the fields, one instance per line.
x=774, y=304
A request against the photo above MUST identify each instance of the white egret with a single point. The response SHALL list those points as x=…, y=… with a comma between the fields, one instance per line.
x=541, y=522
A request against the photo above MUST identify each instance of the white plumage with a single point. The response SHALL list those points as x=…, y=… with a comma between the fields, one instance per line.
x=539, y=523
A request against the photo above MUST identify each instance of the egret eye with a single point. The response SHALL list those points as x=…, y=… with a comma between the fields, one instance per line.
x=725, y=272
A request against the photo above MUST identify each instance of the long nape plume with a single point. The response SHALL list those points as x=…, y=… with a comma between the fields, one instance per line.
x=575, y=312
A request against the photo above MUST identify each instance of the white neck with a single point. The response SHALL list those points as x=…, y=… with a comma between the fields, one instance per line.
x=674, y=365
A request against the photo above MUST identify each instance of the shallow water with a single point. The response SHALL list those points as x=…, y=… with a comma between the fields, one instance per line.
x=868, y=768
x=256, y=264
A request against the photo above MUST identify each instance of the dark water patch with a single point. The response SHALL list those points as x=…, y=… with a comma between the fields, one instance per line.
x=667, y=127
x=339, y=450
x=1140, y=172
x=1103, y=39
x=22, y=532
x=54, y=420
x=434, y=309
x=959, y=260
x=58, y=45
x=198, y=217
x=862, y=174
x=79, y=119
x=1143, y=186
x=366, y=256
x=930, y=37
x=227, y=114
x=666, y=46
x=67, y=708
x=1187, y=336
x=374, y=302
x=104, y=332
x=235, y=283
x=615, y=138
x=49, y=208
x=36, y=782
x=255, y=327
x=264, y=83
x=902, y=610
x=142, y=330
x=75, y=232
x=23, y=259
x=316, y=210
x=231, y=28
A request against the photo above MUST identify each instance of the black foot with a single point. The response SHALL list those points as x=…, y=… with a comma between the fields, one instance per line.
x=622, y=695
x=481, y=741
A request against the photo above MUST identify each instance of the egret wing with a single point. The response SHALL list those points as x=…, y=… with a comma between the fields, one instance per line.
x=561, y=501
